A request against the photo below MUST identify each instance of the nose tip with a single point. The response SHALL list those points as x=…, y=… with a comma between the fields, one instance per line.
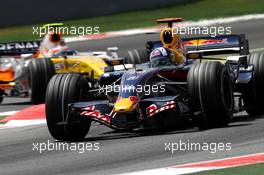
x=125, y=105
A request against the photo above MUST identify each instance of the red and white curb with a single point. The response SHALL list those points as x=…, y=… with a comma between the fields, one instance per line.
x=33, y=115
x=203, y=22
x=204, y=166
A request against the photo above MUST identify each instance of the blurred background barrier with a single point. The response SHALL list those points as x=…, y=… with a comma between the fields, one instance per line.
x=20, y=12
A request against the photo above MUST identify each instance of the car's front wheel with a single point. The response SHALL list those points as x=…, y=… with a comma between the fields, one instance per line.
x=252, y=93
x=210, y=93
x=62, y=90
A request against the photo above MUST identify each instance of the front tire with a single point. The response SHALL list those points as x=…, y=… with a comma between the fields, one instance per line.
x=62, y=90
x=40, y=72
x=210, y=91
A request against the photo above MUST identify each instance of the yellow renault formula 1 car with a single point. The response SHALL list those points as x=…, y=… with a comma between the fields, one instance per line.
x=27, y=66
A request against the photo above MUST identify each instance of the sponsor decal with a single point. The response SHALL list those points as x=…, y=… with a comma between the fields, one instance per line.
x=200, y=42
x=19, y=45
x=153, y=109
x=133, y=77
x=89, y=108
x=95, y=114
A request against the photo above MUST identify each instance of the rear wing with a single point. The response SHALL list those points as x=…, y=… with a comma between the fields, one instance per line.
x=18, y=48
x=223, y=44
x=208, y=45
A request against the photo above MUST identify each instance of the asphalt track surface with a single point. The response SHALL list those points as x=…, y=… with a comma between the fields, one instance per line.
x=125, y=152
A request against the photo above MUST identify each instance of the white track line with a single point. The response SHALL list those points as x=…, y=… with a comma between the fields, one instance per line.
x=227, y=20
x=169, y=171
x=203, y=22
x=8, y=113
x=19, y=123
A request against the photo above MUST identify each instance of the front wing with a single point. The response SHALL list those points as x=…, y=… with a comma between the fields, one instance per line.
x=102, y=111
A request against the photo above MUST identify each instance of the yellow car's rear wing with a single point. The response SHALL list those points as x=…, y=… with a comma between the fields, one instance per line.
x=19, y=47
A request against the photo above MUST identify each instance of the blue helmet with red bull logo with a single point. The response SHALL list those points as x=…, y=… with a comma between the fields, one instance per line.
x=160, y=57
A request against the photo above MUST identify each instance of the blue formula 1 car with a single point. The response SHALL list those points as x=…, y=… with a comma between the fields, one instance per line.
x=202, y=89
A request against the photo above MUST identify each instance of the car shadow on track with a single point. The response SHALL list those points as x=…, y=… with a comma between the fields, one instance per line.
x=187, y=128
x=113, y=135
x=123, y=135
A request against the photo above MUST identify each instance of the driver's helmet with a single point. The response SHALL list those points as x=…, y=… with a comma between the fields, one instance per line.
x=160, y=57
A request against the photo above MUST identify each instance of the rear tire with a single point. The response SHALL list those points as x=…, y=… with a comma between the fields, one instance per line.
x=1, y=96
x=40, y=72
x=136, y=56
x=210, y=91
x=253, y=94
x=62, y=90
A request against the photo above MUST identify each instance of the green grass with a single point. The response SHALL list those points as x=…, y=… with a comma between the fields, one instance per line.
x=200, y=9
x=1, y=118
x=256, y=169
